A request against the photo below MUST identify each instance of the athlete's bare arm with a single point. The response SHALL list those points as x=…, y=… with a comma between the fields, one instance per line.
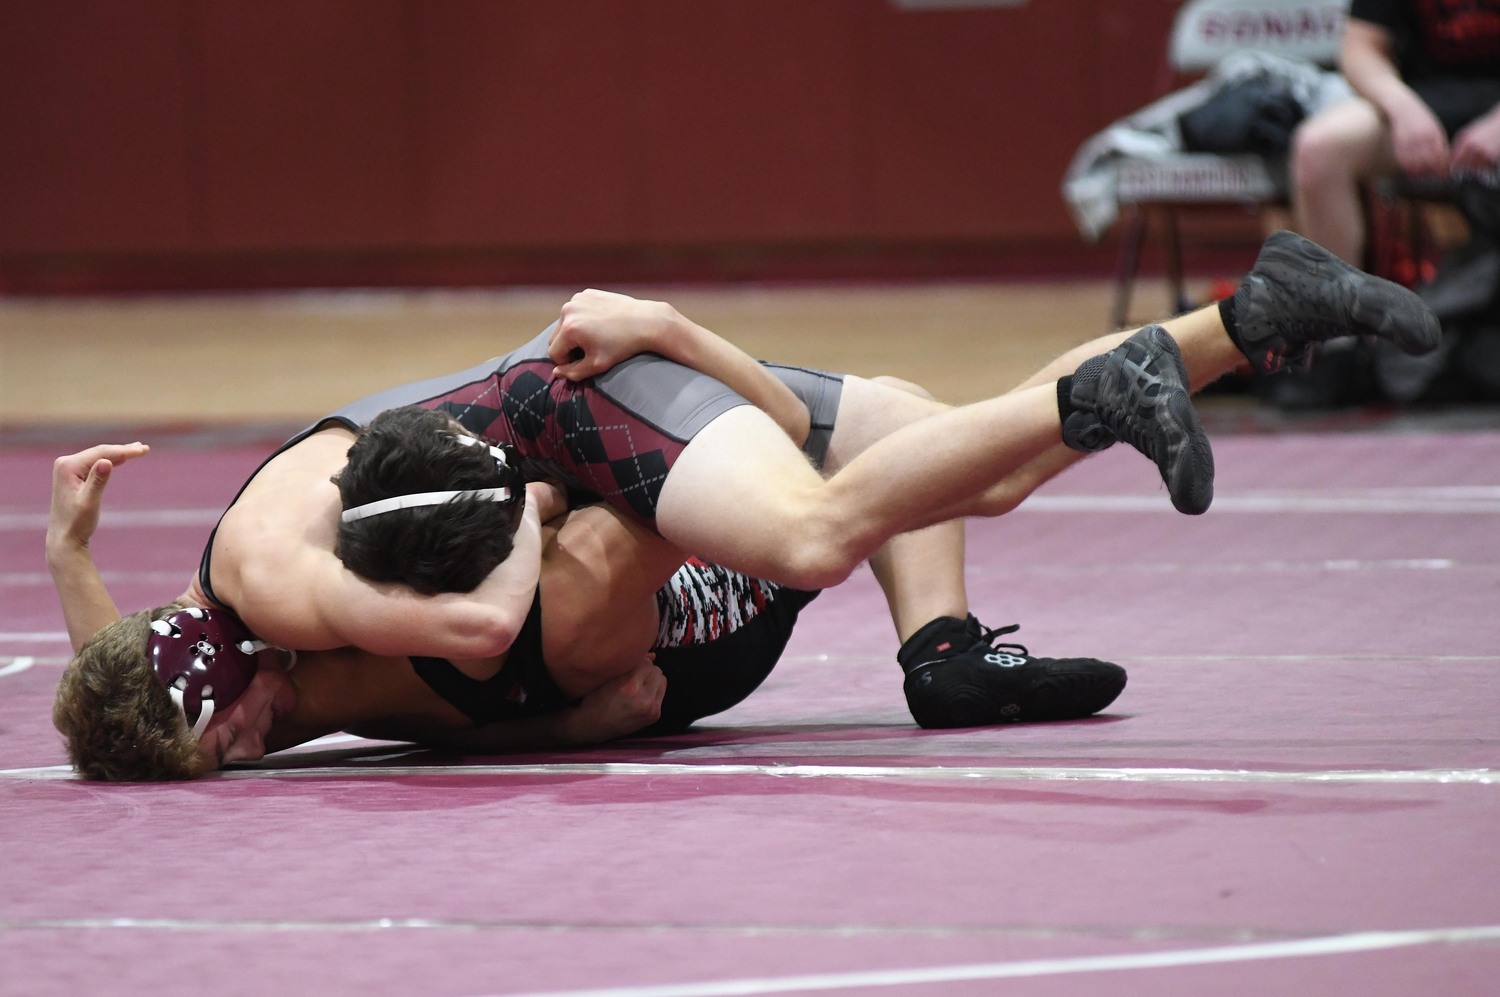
x=309, y=600
x=273, y=562
x=608, y=327
x=78, y=482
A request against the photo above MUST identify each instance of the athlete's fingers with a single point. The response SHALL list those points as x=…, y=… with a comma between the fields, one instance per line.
x=99, y=475
x=560, y=344
x=120, y=453
x=579, y=365
x=653, y=679
x=77, y=465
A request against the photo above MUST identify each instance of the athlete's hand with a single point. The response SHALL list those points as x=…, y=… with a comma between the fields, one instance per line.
x=1477, y=146
x=548, y=499
x=626, y=703
x=78, y=482
x=598, y=329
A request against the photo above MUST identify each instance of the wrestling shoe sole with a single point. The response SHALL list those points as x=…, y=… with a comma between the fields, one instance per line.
x=1299, y=294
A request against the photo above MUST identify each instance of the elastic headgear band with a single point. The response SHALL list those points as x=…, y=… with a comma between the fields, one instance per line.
x=419, y=499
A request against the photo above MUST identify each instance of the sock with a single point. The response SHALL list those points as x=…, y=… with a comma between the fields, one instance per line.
x=1065, y=406
x=1229, y=315
x=940, y=638
x=1082, y=429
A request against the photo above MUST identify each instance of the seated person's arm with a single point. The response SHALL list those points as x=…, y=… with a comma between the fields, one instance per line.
x=1366, y=57
x=1367, y=60
x=609, y=327
x=78, y=482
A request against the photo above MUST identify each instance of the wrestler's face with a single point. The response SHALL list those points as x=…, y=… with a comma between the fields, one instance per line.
x=241, y=735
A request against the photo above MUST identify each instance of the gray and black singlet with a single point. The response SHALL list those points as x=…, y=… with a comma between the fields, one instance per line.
x=614, y=436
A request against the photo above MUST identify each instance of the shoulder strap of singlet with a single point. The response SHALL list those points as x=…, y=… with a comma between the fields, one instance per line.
x=522, y=688
x=204, y=573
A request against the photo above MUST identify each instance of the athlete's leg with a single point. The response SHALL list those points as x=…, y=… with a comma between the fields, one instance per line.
x=1296, y=296
x=1207, y=350
x=742, y=495
x=955, y=676
x=1206, y=346
x=920, y=572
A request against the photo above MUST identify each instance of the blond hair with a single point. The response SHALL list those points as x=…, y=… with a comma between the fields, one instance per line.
x=117, y=719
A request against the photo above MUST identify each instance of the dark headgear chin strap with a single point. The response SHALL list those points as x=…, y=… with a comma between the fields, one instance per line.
x=417, y=499
x=206, y=659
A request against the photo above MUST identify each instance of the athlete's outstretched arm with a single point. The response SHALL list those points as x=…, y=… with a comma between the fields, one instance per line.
x=78, y=482
x=607, y=327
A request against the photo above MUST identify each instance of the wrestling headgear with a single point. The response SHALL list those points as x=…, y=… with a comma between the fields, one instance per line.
x=418, y=499
x=206, y=659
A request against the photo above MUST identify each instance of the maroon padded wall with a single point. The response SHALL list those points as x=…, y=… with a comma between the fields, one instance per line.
x=282, y=141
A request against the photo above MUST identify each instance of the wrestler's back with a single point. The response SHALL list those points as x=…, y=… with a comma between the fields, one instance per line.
x=284, y=521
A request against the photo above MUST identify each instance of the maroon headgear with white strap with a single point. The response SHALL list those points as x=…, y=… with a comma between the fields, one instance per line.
x=206, y=658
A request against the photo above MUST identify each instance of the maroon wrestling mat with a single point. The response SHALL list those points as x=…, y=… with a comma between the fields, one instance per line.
x=1298, y=793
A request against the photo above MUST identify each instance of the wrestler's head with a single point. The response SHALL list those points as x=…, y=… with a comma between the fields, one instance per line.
x=129, y=714
x=448, y=542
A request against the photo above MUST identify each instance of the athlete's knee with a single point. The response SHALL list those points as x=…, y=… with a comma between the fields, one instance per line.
x=1001, y=498
x=817, y=561
x=818, y=549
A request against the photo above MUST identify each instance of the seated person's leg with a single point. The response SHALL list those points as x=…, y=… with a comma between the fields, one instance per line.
x=1333, y=153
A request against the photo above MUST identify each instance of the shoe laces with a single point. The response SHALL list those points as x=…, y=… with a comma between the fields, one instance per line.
x=987, y=635
x=1127, y=414
x=1126, y=424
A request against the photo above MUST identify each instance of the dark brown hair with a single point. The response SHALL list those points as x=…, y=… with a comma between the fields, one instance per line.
x=449, y=547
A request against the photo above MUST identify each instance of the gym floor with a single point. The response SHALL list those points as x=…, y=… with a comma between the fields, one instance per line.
x=1296, y=793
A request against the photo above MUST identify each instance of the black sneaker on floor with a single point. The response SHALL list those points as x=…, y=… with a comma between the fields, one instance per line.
x=1139, y=392
x=956, y=676
x=1299, y=294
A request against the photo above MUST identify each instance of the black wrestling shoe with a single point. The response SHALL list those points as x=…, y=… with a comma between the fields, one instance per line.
x=1139, y=393
x=1299, y=294
x=956, y=676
